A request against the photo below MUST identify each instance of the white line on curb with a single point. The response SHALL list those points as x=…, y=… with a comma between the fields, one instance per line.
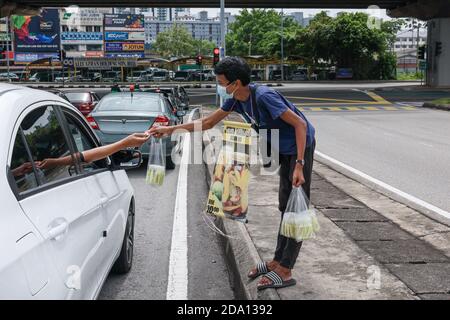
x=386, y=186
x=177, y=285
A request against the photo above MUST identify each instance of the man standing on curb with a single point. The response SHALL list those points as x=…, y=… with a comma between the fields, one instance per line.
x=266, y=109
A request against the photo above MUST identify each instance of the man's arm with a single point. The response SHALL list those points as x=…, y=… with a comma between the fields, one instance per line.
x=300, y=137
x=205, y=123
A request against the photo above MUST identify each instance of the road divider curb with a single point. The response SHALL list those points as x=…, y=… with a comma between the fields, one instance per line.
x=445, y=107
x=142, y=86
x=240, y=252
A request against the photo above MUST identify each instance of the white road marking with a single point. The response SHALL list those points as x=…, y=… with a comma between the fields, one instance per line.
x=177, y=285
x=388, y=187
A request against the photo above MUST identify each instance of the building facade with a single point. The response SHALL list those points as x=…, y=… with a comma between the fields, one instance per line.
x=82, y=32
x=201, y=27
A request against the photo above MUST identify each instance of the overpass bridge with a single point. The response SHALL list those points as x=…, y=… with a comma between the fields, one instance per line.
x=421, y=9
x=437, y=12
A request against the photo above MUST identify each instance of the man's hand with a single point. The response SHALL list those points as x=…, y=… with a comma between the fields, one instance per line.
x=298, y=179
x=135, y=140
x=160, y=131
x=48, y=164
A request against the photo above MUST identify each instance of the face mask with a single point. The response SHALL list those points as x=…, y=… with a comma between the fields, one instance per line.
x=222, y=92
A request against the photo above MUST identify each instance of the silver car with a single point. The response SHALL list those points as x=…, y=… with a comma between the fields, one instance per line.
x=122, y=113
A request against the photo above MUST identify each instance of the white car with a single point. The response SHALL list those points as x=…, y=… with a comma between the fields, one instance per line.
x=62, y=228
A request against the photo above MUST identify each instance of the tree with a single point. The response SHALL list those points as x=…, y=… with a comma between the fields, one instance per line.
x=203, y=47
x=258, y=32
x=178, y=42
x=348, y=41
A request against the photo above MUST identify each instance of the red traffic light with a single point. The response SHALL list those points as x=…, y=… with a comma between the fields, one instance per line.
x=216, y=51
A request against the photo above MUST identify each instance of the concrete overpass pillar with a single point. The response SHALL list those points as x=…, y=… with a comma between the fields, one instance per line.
x=438, y=74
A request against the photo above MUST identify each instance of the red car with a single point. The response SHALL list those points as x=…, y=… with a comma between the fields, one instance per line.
x=85, y=101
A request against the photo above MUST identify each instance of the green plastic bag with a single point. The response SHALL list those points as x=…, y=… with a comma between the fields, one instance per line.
x=299, y=220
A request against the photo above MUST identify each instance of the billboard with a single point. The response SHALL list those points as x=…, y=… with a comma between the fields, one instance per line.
x=125, y=55
x=37, y=33
x=124, y=46
x=123, y=36
x=82, y=38
x=124, y=22
x=30, y=57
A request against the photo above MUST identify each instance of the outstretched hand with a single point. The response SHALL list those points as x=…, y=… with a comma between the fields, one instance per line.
x=135, y=140
x=160, y=131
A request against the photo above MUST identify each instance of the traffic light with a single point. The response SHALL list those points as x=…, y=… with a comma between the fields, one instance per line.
x=216, y=56
x=199, y=60
x=438, y=48
x=422, y=50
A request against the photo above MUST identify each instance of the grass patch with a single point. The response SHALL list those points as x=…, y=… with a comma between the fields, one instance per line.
x=441, y=101
x=403, y=76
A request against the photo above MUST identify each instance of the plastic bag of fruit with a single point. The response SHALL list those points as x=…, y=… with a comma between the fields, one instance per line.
x=156, y=168
x=299, y=220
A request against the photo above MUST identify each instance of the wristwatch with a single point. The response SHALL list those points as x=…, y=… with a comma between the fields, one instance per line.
x=300, y=162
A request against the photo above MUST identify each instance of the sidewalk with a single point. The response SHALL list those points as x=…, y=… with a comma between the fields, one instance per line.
x=369, y=247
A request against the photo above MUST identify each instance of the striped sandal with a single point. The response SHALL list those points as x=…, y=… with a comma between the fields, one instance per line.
x=277, y=281
x=261, y=268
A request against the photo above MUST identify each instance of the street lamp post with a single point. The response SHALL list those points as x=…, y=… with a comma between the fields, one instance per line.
x=282, y=45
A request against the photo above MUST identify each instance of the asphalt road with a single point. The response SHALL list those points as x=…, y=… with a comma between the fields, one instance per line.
x=372, y=129
x=379, y=131
x=208, y=276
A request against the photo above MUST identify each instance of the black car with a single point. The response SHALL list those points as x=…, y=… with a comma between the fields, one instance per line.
x=178, y=92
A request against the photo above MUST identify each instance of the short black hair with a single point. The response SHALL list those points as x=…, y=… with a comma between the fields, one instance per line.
x=234, y=68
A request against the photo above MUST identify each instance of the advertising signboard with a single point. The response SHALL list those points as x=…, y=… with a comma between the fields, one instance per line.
x=124, y=46
x=30, y=57
x=104, y=63
x=125, y=55
x=34, y=34
x=123, y=36
x=82, y=37
x=124, y=22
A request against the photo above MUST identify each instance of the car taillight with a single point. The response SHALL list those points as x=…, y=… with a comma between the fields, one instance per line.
x=161, y=121
x=92, y=122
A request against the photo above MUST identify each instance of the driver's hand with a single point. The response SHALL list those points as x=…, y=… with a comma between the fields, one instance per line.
x=135, y=140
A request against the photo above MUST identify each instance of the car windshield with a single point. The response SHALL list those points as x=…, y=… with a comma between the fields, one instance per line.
x=160, y=74
x=79, y=96
x=128, y=102
x=181, y=74
x=138, y=73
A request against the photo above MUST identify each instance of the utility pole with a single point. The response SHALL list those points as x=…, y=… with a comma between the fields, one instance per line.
x=282, y=45
x=8, y=47
x=222, y=45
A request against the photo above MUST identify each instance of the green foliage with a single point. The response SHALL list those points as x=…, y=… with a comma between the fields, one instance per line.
x=178, y=42
x=258, y=32
x=345, y=41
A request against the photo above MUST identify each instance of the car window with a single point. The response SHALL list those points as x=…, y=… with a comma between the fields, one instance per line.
x=21, y=166
x=83, y=142
x=48, y=147
x=79, y=96
x=128, y=102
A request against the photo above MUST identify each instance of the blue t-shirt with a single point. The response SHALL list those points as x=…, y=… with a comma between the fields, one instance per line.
x=271, y=105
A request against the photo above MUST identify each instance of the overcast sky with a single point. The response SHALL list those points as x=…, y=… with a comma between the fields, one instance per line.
x=307, y=12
